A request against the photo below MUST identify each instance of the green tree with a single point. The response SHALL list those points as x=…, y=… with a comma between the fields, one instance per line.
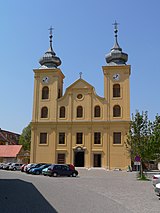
x=138, y=141
x=25, y=138
x=155, y=138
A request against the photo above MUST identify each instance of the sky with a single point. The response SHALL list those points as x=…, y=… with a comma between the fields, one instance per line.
x=83, y=34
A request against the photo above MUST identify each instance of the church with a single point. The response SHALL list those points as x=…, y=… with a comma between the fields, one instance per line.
x=78, y=126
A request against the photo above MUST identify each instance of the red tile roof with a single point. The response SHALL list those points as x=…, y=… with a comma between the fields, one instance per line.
x=9, y=150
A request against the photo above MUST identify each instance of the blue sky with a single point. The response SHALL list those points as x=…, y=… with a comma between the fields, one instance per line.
x=82, y=36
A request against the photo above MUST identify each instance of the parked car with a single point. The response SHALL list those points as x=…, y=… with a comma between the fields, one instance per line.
x=34, y=166
x=45, y=171
x=22, y=167
x=157, y=188
x=6, y=166
x=15, y=166
x=28, y=166
x=61, y=170
x=155, y=179
x=71, y=166
x=38, y=170
x=1, y=165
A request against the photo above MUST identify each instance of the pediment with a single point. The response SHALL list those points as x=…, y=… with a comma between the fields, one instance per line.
x=80, y=84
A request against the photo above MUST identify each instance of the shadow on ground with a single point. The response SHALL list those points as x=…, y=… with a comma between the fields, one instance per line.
x=17, y=196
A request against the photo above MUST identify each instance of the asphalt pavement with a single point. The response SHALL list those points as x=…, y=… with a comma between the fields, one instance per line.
x=93, y=191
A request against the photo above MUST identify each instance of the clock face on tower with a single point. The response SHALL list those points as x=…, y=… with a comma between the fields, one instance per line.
x=116, y=77
x=45, y=80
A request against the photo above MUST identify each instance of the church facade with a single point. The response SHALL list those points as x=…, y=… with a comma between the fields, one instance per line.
x=78, y=126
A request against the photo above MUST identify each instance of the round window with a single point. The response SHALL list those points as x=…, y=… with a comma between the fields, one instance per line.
x=79, y=96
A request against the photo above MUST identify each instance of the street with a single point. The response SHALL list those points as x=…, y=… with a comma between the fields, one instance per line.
x=93, y=191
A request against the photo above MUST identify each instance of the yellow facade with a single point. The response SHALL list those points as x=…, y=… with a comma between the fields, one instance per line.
x=87, y=140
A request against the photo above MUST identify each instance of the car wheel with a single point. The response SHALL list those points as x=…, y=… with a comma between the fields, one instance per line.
x=14, y=169
x=54, y=174
x=74, y=174
x=37, y=172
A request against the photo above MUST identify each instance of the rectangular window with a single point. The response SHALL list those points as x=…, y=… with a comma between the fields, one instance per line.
x=43, y=138
x=61, y=137
x=61, y=158
x=116, y=90
x=79, y=112
x=97, y=138
x=117, y=138
x=79, y=138
x=97, y=160
x=62, y=112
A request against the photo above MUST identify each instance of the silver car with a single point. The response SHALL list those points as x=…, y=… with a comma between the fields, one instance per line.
x=15, y=166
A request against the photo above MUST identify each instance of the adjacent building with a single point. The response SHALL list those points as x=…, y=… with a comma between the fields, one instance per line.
x=9, y=153
x=8, y=138
x=79, y=126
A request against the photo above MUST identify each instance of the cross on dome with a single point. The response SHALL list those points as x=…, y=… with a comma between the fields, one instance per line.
x=49, y=59
x=115, y=27
x=50, y=29
x=80, y=75
x=116, y=56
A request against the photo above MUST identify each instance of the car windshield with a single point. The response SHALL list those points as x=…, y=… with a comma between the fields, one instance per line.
x=41, y=167
x=32, y=165
x=29, y=165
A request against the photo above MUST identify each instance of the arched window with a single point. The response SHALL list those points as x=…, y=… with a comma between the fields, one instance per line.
x=62, y=112
x=45, y=93
x=44, y=112
x=116, y=90
x=79, y=112
x=97, y=111
x=116, y=111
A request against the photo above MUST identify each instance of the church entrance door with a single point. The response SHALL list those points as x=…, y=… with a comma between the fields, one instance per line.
x=79, y=158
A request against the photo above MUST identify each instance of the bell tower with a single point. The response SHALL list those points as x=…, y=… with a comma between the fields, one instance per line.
x=116, y=82
x=48, y=86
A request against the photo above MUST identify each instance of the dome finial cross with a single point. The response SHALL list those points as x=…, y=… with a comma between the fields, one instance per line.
x=50, y=29
x=80, y=75
x=115, y=28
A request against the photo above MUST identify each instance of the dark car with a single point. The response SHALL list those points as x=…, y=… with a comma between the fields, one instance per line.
x=71, y=166
x=38, y=170
x=61, y=170
x=34, y=166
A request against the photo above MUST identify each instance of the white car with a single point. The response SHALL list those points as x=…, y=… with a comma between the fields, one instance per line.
x=157, y=189
x=155, y=179
x=15, y=166
x=27, y=167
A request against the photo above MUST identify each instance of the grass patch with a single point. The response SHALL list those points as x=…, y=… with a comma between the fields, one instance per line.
x=143, y=177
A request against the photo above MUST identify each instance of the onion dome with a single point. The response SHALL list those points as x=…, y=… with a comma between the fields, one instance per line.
x=50, y=60
x=116, y=56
